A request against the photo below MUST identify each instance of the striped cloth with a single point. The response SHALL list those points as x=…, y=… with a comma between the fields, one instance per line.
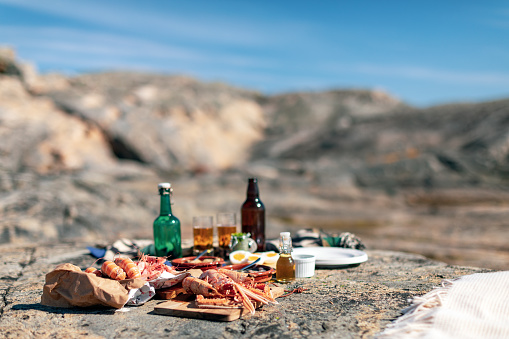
x=316, y=238
x=473, y=306
x=122, y=248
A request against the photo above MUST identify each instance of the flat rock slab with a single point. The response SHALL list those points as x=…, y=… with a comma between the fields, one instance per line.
x=356, y=302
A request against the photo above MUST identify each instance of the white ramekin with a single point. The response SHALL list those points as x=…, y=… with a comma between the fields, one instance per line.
x=304, y=265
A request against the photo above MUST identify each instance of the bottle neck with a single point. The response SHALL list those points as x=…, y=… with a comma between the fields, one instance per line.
x=285, y=245
x=285, y=249
x=252, y=190
x=165, y=204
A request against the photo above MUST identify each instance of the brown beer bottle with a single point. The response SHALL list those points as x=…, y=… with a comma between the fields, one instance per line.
x=253, y=214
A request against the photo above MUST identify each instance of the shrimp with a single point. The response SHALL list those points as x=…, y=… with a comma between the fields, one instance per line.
x=112, y=270
x=129, y=267
x=94, y=270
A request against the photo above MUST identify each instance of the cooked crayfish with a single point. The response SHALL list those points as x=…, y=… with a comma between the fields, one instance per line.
x=129, y=267
x=152, y=267
x=199, y=287
x=112, y=270
x=225, y=288
x=147, y=268
x=94, y=270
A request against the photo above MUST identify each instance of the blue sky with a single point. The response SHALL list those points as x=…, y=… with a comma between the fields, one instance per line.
x=422, y=52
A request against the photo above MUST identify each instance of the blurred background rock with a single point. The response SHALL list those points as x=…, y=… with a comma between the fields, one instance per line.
x=81, y=156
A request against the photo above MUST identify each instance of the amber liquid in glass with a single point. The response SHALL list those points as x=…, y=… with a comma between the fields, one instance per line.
x=224, y=234
x=203, y=238
x=285, y=268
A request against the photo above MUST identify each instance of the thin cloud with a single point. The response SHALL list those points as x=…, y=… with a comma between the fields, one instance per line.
x=71, y=51
x=226, y=30
x=74, y=43
x=419, y=73
x=437, y=75
x=69, y=40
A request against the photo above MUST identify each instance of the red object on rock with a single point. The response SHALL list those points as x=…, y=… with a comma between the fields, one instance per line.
x=183, y=264
x=260, y=273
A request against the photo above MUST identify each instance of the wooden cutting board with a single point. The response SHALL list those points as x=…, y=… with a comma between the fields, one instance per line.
x=188, y=309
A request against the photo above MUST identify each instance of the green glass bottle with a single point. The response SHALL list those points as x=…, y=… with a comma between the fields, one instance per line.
x=167, y=236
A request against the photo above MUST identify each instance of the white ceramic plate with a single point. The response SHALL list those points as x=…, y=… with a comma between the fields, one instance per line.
x=333, y=256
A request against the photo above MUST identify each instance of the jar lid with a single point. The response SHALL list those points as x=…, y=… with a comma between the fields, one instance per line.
x=284, y=234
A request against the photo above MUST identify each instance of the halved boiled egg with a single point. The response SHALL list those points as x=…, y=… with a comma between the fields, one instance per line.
x=256, y=256
x=239, y=257
x=271, y=257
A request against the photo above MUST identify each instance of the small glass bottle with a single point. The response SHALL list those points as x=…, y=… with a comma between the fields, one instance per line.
x=285, y=266
x=253, y=214
x=167, y=236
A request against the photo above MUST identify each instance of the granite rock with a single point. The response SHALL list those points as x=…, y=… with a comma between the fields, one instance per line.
x=355, y=302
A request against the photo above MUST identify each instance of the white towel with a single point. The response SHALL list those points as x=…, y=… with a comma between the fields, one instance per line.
x=473, y=306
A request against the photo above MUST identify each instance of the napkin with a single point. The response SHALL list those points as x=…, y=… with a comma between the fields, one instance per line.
x=473, y=306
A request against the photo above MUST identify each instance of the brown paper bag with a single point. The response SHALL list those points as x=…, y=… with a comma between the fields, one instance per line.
x=68, y=286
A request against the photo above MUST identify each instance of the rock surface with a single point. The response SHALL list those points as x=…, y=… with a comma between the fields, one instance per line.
x=81, y=157
x=171, y=123
x=356, y=302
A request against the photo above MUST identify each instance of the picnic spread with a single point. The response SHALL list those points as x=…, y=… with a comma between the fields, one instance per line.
x=228, y=287
x=195, y=288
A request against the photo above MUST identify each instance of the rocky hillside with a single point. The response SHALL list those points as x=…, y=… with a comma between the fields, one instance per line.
x=81, y=156
x=395, y=146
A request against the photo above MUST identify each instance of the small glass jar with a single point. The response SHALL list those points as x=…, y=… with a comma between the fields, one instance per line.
x=285, y=266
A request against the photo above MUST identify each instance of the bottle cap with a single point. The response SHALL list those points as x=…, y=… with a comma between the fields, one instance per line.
x=165, y=185
x=164, y=188
x=284, y=234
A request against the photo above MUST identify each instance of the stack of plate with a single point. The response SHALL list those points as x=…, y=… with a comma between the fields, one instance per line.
x=331, y=257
